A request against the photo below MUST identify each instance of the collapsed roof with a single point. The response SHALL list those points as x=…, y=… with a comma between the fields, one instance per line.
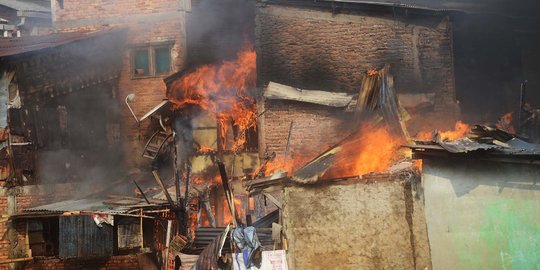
x=482, y=142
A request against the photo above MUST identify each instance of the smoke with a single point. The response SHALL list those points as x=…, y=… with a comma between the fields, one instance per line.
x=217, y=29
x=79, y=144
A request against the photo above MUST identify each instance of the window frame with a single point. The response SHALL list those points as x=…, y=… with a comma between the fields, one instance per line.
x=152, y=65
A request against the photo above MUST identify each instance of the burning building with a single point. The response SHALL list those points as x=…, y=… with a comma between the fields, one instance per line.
x=150, y=134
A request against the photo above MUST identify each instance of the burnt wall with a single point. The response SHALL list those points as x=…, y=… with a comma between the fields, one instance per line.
x=315, y=49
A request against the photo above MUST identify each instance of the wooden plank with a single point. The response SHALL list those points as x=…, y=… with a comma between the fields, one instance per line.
x=6, y=261
x=228, y=193
x=333, y=99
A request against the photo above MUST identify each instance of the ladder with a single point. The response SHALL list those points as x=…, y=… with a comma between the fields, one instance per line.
x=155, y=144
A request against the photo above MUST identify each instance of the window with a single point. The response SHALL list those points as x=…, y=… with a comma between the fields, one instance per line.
x=152, y=60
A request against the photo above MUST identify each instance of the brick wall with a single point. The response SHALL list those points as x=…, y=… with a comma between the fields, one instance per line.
x=126, y=262
x=314, y=49
x=146, y=21
x=315, y=128
x=13, y=201
x=84, y=9
x=311, y=48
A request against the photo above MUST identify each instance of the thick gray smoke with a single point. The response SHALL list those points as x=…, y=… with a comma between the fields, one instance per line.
x=217, y=29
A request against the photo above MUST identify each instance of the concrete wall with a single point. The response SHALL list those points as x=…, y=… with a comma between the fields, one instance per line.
x=482, y=215
x=355, y=226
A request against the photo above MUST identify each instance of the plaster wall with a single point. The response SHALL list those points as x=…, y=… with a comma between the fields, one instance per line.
x=482, y=215
x=355, y=226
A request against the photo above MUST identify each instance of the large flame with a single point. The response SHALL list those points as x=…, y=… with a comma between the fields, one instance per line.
x=224, y=91
x=372, y=149
x=460, y=130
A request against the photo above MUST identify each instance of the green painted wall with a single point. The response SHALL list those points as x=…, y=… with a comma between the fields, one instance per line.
x=482, y=215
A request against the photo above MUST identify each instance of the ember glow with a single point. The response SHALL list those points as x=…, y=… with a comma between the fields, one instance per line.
x=505, y=123
x=223, y=91
x=289, y=165
x=372, y=149
x=460, y=130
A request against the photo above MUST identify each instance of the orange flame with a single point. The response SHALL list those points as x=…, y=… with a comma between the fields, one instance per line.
x=240, y=209
x=289, y=165
x=203, y=149
x=223, y=91
x=372, y=149
x=505, y=123
x=460, y=130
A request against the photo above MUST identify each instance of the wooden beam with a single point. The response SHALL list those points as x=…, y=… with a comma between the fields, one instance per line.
x=273, y=200
x=163, y=188
x=6, y=261
x=285, y=92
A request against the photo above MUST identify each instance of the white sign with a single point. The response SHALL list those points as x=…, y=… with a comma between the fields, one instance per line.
x=271, y=260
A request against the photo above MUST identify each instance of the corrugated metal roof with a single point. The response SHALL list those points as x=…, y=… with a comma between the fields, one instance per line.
x=28, y=5
x=21, y=45
x=513, y=147
x=435, y=5
x=502, y=7
x=82, y=205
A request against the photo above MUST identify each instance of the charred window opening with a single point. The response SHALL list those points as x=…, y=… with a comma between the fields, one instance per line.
x=128, y=234
x=151, y=60
x=43, y=236
x=252, y=140
x=80, y=236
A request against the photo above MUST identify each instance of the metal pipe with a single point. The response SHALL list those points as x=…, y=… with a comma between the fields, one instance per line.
x=131, y=97
x=522, y=95
x=167, y=242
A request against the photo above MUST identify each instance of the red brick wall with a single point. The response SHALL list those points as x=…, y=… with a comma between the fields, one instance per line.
x=126, y=262
x=12, y=241
x=314, y=49
x=315, y=128
x=89, y=9
x=146, y=21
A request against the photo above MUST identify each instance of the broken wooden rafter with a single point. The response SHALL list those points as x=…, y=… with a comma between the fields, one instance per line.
x=257, y=185
x=228, y=193
x=141, y=191
x=162, y=186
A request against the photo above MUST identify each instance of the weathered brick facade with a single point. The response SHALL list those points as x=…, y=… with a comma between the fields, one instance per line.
x=313, y=48
x=126, y=262
x=12, y=202
x=147, y=22
x=315, y=128
x=316, y=49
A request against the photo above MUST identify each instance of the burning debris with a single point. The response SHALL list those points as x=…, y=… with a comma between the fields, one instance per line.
x=224, y=91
